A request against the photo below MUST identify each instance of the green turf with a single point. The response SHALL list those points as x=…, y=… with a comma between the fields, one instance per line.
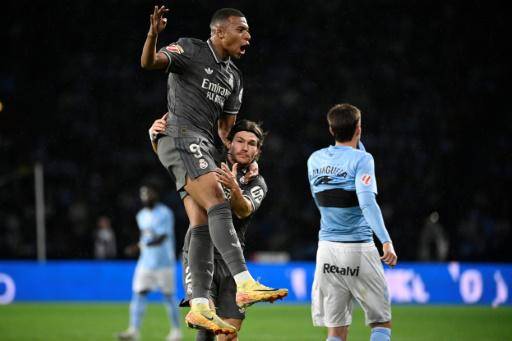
x=97, y=322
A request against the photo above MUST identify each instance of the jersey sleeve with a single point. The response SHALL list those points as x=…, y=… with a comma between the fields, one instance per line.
x=180, y=54
x=373, y=215
x=365, y=175
x=256, y=192
x=234, y=101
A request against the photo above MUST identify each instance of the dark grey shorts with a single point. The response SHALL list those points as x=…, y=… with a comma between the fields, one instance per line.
x=184, y=156
x=222, y=290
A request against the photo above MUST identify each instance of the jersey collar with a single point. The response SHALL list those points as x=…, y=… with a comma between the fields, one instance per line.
x=223, y=62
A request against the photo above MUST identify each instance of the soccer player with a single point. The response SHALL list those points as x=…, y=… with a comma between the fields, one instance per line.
x=245, y=197
x=204, y=94
x=156, y=265
x=343, y=184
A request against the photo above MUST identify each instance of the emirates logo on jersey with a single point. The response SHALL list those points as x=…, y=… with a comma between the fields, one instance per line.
x=175, y=48
x=366, y=179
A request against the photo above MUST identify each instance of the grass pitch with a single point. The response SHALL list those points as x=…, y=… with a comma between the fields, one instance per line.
x=98, y=322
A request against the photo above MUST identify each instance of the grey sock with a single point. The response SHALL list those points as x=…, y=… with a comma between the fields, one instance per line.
x=225, y=239
x=203, y=335
x=200, y=261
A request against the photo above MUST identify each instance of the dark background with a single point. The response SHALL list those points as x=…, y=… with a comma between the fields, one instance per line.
x=430, y=77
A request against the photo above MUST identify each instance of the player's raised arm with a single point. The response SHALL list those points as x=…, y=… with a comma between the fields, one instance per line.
x=150, y=59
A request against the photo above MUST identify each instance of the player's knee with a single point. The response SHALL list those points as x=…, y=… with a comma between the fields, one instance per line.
x=216, y=197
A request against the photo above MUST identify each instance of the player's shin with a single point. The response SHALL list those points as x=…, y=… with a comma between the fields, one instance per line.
x=225, y=239
x=200, y=261
x=137, y=310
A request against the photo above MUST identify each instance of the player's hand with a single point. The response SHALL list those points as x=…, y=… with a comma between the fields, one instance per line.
x=157, y=22
x=389, y=256
x=253, y=171
x=158, y=127
x=227, y=177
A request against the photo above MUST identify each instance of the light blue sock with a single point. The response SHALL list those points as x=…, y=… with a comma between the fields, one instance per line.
x=380, y=334
x=333, y=338
x=172, y=310
x=137, y=309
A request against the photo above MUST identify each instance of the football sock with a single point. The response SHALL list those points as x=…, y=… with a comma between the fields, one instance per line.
x=204, y=335
x=224, y=238
x=333, y=338
x=172, y=310
x=380, y=334
x=199, y=300
x=137, y=309
x=242, y=277
x=200, y=261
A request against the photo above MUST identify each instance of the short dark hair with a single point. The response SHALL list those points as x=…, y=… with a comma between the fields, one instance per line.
x=250, y=126
x=223, y=14
x=343, y=119
x=152, y=187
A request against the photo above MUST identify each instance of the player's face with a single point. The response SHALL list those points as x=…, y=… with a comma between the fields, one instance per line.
x=147, y=196
x=244, y=147
x=236, y=37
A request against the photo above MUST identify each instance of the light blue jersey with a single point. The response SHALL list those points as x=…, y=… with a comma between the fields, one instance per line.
x=344, y=186
x=155, y=224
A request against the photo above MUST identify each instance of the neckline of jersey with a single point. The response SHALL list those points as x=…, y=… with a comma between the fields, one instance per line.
x=340, y=147
x=224, y=62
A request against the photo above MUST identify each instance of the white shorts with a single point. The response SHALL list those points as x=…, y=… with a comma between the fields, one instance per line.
x=151, y=280
x=344, y=272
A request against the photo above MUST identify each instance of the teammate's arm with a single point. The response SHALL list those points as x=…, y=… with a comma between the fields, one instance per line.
x=156, y=128
x=225, y=124
x=240, y=205
x=150, y=59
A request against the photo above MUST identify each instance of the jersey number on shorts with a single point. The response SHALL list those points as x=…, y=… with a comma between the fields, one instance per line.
x=194, y=148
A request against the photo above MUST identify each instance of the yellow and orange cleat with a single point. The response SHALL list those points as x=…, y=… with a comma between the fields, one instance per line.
x=253, y=292
x=201, y=316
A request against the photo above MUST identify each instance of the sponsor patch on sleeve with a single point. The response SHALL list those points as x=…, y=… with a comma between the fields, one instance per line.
x=175, y=48
x=366, y=179
x=257, y=194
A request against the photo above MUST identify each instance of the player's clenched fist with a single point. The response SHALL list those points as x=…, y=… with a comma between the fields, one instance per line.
x=389, y=257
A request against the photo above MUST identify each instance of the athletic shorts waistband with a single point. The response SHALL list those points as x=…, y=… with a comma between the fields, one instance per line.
x=361, y=246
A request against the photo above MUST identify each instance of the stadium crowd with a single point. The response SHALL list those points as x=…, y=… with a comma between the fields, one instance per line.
x=430, y=78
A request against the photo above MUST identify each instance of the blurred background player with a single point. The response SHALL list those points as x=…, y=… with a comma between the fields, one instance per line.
x=343, y=184
x=156, y=265
x=245, y=197
x=204, y=94
x=104, y=239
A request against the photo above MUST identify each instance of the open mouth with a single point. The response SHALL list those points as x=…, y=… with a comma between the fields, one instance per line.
x=243, y=48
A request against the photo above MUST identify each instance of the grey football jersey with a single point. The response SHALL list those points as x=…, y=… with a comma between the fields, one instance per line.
x=255, y=191
x=200, y=87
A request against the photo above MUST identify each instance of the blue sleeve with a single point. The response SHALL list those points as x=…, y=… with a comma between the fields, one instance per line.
x=373, y=215
x=365, y=175
x=163, y=227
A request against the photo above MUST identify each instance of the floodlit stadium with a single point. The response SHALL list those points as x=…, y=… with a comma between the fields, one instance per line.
x=83, y=239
